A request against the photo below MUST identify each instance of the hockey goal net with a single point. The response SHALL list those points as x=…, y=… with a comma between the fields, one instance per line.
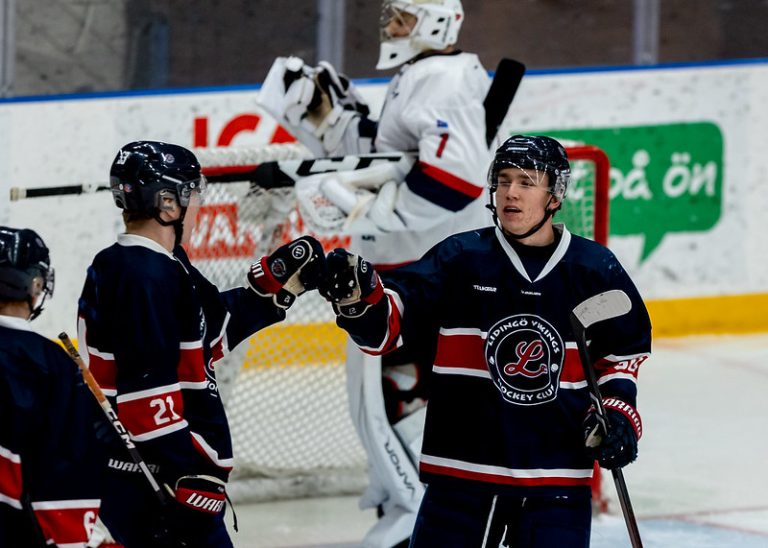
x=284, y=388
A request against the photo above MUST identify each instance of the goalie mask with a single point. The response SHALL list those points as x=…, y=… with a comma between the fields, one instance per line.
x=437, y=24
x=535, y=155
x=145, y=172
x=25, y=268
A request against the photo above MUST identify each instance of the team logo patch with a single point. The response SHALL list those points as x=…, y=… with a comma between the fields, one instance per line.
x=278, y=268
x=525, y=356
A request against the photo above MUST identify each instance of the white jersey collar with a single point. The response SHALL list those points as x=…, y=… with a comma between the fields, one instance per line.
x=14, y=322
x=514, y=258
x=142, y=241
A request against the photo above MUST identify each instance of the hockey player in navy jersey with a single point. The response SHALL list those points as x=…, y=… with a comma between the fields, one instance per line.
x=504, y=455
x=153, y=328
x=394, y=212
x=49, y=493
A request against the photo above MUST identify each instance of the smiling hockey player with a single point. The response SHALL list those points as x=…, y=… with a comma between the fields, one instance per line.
x=505, y=454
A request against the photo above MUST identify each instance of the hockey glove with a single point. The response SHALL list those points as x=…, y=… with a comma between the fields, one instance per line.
x=618, y=447
x=352, y=285
x=201, y=493
x=291, y=270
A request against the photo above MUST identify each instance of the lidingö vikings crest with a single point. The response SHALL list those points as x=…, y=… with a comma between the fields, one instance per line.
x=525, y=356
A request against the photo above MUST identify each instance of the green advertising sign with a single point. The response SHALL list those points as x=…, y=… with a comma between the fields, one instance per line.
x=664, y=179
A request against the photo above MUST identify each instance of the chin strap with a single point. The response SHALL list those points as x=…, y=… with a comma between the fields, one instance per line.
x=178, y=224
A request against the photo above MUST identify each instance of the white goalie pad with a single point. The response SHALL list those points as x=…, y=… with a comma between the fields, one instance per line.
x=392, y=460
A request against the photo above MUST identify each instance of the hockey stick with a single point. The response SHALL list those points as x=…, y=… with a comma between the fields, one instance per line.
x=267, y=175
x=503, y=88
x=601, y=307
x=112, y=416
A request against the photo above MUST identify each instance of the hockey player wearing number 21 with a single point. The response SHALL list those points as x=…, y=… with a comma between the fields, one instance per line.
x=510, y=437
x=154, y=327
x=48, y=446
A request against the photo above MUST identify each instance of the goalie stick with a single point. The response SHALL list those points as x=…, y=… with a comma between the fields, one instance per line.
x=506, y=80
x=267, y=175
x=601, y=307
x=112, y=416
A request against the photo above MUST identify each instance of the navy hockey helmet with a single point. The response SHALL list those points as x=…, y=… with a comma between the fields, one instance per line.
x=143, y=171
x=535, y=152
x=25, y=267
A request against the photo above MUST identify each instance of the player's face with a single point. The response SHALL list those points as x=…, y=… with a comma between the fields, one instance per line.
x=521, y=198
x=400, y=24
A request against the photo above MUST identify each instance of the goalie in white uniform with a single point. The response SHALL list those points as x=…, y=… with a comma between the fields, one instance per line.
x=395, y=212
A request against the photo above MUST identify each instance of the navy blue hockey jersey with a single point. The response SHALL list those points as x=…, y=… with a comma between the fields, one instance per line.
x=49, y=458
x=508, y=393
x=152, y=327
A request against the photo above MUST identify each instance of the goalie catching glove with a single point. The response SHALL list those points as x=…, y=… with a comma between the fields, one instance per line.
x=617, y=447
x=291, y=270
x=352, y=285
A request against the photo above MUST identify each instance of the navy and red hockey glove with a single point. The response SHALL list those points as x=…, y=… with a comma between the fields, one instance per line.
x=291, y=270
x=201, y=493
x=352, y=285
x=618, y=447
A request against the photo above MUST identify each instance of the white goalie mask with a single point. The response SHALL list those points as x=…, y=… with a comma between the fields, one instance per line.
x=437, y=27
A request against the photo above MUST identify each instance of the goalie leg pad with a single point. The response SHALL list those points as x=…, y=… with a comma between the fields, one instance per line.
x=392, y=467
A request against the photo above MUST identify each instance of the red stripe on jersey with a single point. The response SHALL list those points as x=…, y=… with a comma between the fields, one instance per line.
x=159, y=412
x=465, y=351
x=502, y=480
x=627, y=366
x=451, y=181
x=10, y=474
x=572, y=370
x=66, y=522
x=104, y=370
x=191, y=363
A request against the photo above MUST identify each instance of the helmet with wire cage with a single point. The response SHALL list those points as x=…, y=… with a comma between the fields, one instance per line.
x=436, y=27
